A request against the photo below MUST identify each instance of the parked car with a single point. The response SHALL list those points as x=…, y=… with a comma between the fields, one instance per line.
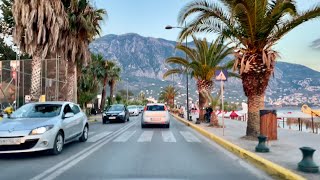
x=133, y=110
x=155, y=114
x=43, y=126
x=117, y=112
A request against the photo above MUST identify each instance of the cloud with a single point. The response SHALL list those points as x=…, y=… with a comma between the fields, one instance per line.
x=315, y=44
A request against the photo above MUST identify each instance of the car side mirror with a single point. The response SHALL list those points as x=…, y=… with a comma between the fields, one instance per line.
x=68, y=115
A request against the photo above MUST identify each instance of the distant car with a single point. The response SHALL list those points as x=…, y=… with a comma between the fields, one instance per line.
x=133, y=110
x=155, y=114
x=141, y=108
x=43, y=126
x=117, y=112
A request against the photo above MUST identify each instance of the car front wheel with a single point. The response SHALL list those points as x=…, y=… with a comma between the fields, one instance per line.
x=58, y=144
x=85, y=133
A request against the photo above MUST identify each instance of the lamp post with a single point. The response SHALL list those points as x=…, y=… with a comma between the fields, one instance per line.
x=127, y=91
x=185, y=26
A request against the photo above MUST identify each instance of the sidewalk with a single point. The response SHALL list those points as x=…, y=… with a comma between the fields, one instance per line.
x=95, y=118
x=285, y=151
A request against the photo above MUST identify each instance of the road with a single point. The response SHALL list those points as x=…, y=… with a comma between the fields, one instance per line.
x=125, y=151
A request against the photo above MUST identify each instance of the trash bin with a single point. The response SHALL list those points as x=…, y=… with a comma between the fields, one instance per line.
x=268, y=124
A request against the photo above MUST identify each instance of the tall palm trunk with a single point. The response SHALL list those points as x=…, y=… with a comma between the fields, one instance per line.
x=36, y=75
x=214, y=120
x=171, y=102
x=254, y=86
x=103, y=93
x=70, y=81
x=202, y=102
x=255, y=103
x=111, y=92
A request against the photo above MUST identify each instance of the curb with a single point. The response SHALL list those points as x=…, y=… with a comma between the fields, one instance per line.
x=271, y=168
x=92, y=120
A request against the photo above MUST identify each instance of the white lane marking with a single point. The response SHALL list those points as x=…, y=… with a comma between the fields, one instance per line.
x=63, y=169
x=168, y=136
x=189, y=137
x=99, y=136
x=125, y=136
x=71, y=161
x=146, y=136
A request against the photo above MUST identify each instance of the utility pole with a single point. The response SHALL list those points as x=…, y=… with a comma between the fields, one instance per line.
x=187, y=75
x=127, y=90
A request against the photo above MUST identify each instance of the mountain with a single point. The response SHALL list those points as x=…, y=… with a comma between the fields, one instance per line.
x=143, y=63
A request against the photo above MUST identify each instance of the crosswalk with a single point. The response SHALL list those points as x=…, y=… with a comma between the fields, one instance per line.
x=148, y=136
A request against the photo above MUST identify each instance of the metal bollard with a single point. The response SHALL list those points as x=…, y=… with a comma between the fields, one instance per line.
x=307, y=164
x=261, y=147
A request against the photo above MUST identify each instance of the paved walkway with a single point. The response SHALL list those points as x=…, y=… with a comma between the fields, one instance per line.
x=285, y=151
x=94, y=118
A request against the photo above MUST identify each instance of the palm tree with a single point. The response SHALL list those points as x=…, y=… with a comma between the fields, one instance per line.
x=114, y=77
x=108, y=66
x=168, y=95
x=38, y=27
x=205, y=60
x=88, y=86
x=254, y=27
x=83, y=26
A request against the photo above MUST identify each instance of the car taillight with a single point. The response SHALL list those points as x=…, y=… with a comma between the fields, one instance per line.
x=145, y=108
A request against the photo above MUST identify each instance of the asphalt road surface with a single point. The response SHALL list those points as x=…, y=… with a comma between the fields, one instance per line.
x=125, y=151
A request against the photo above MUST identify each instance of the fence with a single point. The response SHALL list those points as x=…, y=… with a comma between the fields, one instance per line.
x=15, y=81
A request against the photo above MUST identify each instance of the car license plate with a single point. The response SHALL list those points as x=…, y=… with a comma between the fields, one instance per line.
x=155, y=119
x=10, y=141
x=112, y=117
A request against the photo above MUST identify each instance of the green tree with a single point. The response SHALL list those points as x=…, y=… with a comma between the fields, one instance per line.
x=38, y=27
x=254, y=27
x=88, y=85
x=118, y=98
x=108, y=66
x=123, y=93
x=6, y=22
x=168, y=94
x=83, y=26
x=114, y=77
x=205, y=60
x=142, y=96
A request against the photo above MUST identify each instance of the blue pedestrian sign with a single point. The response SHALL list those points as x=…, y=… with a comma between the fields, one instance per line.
x=221, y=75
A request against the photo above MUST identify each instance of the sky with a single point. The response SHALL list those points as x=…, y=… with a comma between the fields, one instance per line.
x=149, y=17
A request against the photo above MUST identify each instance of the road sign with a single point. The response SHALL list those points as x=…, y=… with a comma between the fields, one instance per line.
x=221, y=75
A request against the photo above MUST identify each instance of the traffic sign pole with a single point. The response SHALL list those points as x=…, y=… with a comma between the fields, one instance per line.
x=222, y=75
x=221, y=82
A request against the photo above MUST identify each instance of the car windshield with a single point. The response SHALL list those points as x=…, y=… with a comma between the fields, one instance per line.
x=37, y=111
x=155, y=108
x=115, y=108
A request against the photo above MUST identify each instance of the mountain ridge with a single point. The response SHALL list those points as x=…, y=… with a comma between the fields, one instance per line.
x=143, y=62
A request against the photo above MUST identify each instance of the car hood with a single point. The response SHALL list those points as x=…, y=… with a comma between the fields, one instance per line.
x=20, y=124
x=113, y=112
x=131, y=110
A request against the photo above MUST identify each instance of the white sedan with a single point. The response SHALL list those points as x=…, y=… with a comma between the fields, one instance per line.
x=155, y=114
x=133, y=110
x=43, y=126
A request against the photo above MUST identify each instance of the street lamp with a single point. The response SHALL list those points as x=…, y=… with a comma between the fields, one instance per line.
x=127, y=90
x=185, y=26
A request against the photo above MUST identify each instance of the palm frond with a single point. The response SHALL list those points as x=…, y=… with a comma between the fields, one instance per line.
x=172, y=71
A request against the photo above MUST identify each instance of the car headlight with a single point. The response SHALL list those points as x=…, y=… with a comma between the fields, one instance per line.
x=41, y=130
x=121, y=114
